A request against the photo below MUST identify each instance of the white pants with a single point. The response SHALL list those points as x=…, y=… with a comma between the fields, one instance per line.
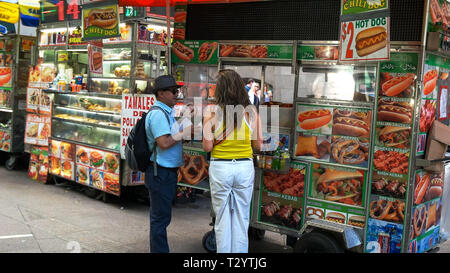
x=231, y=185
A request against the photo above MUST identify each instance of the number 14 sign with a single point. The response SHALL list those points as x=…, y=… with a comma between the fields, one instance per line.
x=364, y=40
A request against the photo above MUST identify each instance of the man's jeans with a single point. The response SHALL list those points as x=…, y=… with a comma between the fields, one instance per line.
x=162, y=189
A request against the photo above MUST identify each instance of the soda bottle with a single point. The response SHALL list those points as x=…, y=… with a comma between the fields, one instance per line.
x=283, y=159
x=276, y=160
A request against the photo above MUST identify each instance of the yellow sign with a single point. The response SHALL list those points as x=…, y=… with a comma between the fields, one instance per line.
x=9, y=12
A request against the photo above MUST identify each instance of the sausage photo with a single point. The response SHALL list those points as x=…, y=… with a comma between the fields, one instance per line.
x=429, y=81
x=370, y=40
x=226, y=50
x=103, y=18
x=206, y=51
x=397, y=85
x=394, y=111
x=180, y=17
x=314, y=119
x=183, y=52
x=97, y=60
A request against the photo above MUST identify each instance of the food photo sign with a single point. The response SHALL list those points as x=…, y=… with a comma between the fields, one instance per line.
x=281, y=197
x=364, y=34
x=100, y=20
x=195, y=52
x=385, y=232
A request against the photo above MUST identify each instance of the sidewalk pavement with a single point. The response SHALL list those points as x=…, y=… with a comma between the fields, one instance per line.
x=40, y=218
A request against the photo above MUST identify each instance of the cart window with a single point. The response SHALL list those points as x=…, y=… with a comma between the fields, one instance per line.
x=279, y=84
x=340, y=83
x=198, y=81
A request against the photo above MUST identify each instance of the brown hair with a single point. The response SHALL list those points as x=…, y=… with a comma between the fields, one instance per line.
x=230, y=90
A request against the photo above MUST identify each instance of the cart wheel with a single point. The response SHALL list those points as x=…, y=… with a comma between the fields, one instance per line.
x=317, y=242
x=291, y=240
x=209, y=242
x=256, y=233
x=11, y=163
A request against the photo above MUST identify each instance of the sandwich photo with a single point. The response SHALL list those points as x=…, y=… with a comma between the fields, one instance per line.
x=398, y=86
x=105, y=18
x=111, y=183
x=429, y=81
x=340, y=186
x=349, y=123
x=394, y=111
x=314, y=119
x=395, y=136
x=370, y=40
x=336, y=217
x=206, y=51
x=357, y=221
x=55, y=165
x=97, y=179
x=112, y=162
x=82, y=174
x=96, y=159
x=82, y=156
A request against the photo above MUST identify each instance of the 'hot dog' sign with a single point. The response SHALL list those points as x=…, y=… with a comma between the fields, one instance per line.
x=364, y=40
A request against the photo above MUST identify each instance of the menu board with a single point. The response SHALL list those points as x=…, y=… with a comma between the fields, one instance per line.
x=281, y=197
x=333, y=134
x=37, y=129
x=195, y=52
x=194, y=172
x=98, y=169
x=392, y=153
x=38, y=101
x=179, y=32
x=61, y=157
x=426, y=211
x=38, y=168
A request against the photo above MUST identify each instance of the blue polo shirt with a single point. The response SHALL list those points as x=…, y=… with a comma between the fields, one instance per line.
x=169, y=158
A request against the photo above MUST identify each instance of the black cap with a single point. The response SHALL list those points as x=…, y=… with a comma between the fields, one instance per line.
x=165, y=82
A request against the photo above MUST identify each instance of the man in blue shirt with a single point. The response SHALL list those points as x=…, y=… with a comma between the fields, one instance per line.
x=169, y=157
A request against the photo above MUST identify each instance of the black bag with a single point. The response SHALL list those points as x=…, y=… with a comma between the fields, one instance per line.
x=137, y=152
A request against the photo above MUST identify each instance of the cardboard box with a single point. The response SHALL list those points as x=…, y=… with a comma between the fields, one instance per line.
x=437, y=142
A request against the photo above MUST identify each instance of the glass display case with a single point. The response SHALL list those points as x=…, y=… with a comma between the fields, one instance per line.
x=89, y=119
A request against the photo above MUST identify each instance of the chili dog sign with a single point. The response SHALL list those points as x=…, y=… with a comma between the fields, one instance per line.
x=133, y=106
x=364, y=34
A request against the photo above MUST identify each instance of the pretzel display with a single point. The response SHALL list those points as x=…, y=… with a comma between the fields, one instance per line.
x=349, y=151
x=419, y=219
x=387, y=210
x=314, y=212
x=194, y=170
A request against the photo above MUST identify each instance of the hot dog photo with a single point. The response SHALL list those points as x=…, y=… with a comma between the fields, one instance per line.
x=314, y=119
x=397, y=85
x=371, y=40
x=105, y=18
x=394, y=111
x=429, y=81
x=183, y=52
x=351, y=123
x=206, y=51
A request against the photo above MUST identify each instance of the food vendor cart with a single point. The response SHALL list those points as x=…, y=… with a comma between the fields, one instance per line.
x=97, y=93
x=360, y=176
x=15, y=58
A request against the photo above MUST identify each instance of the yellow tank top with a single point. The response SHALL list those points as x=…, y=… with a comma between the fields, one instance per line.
x=236, y=145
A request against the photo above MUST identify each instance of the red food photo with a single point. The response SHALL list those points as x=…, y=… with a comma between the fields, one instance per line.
x=391, y=161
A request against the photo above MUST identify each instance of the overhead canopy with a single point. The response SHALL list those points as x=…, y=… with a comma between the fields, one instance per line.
x=162, y=3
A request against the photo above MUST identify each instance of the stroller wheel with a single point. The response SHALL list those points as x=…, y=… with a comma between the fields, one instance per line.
x=209, y=242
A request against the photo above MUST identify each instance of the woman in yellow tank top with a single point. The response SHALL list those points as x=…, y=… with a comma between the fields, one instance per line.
x=230, y=134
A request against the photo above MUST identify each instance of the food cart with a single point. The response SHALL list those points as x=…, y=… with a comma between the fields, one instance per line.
x=358, y=177
x=96, y=87
x=15, y=57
